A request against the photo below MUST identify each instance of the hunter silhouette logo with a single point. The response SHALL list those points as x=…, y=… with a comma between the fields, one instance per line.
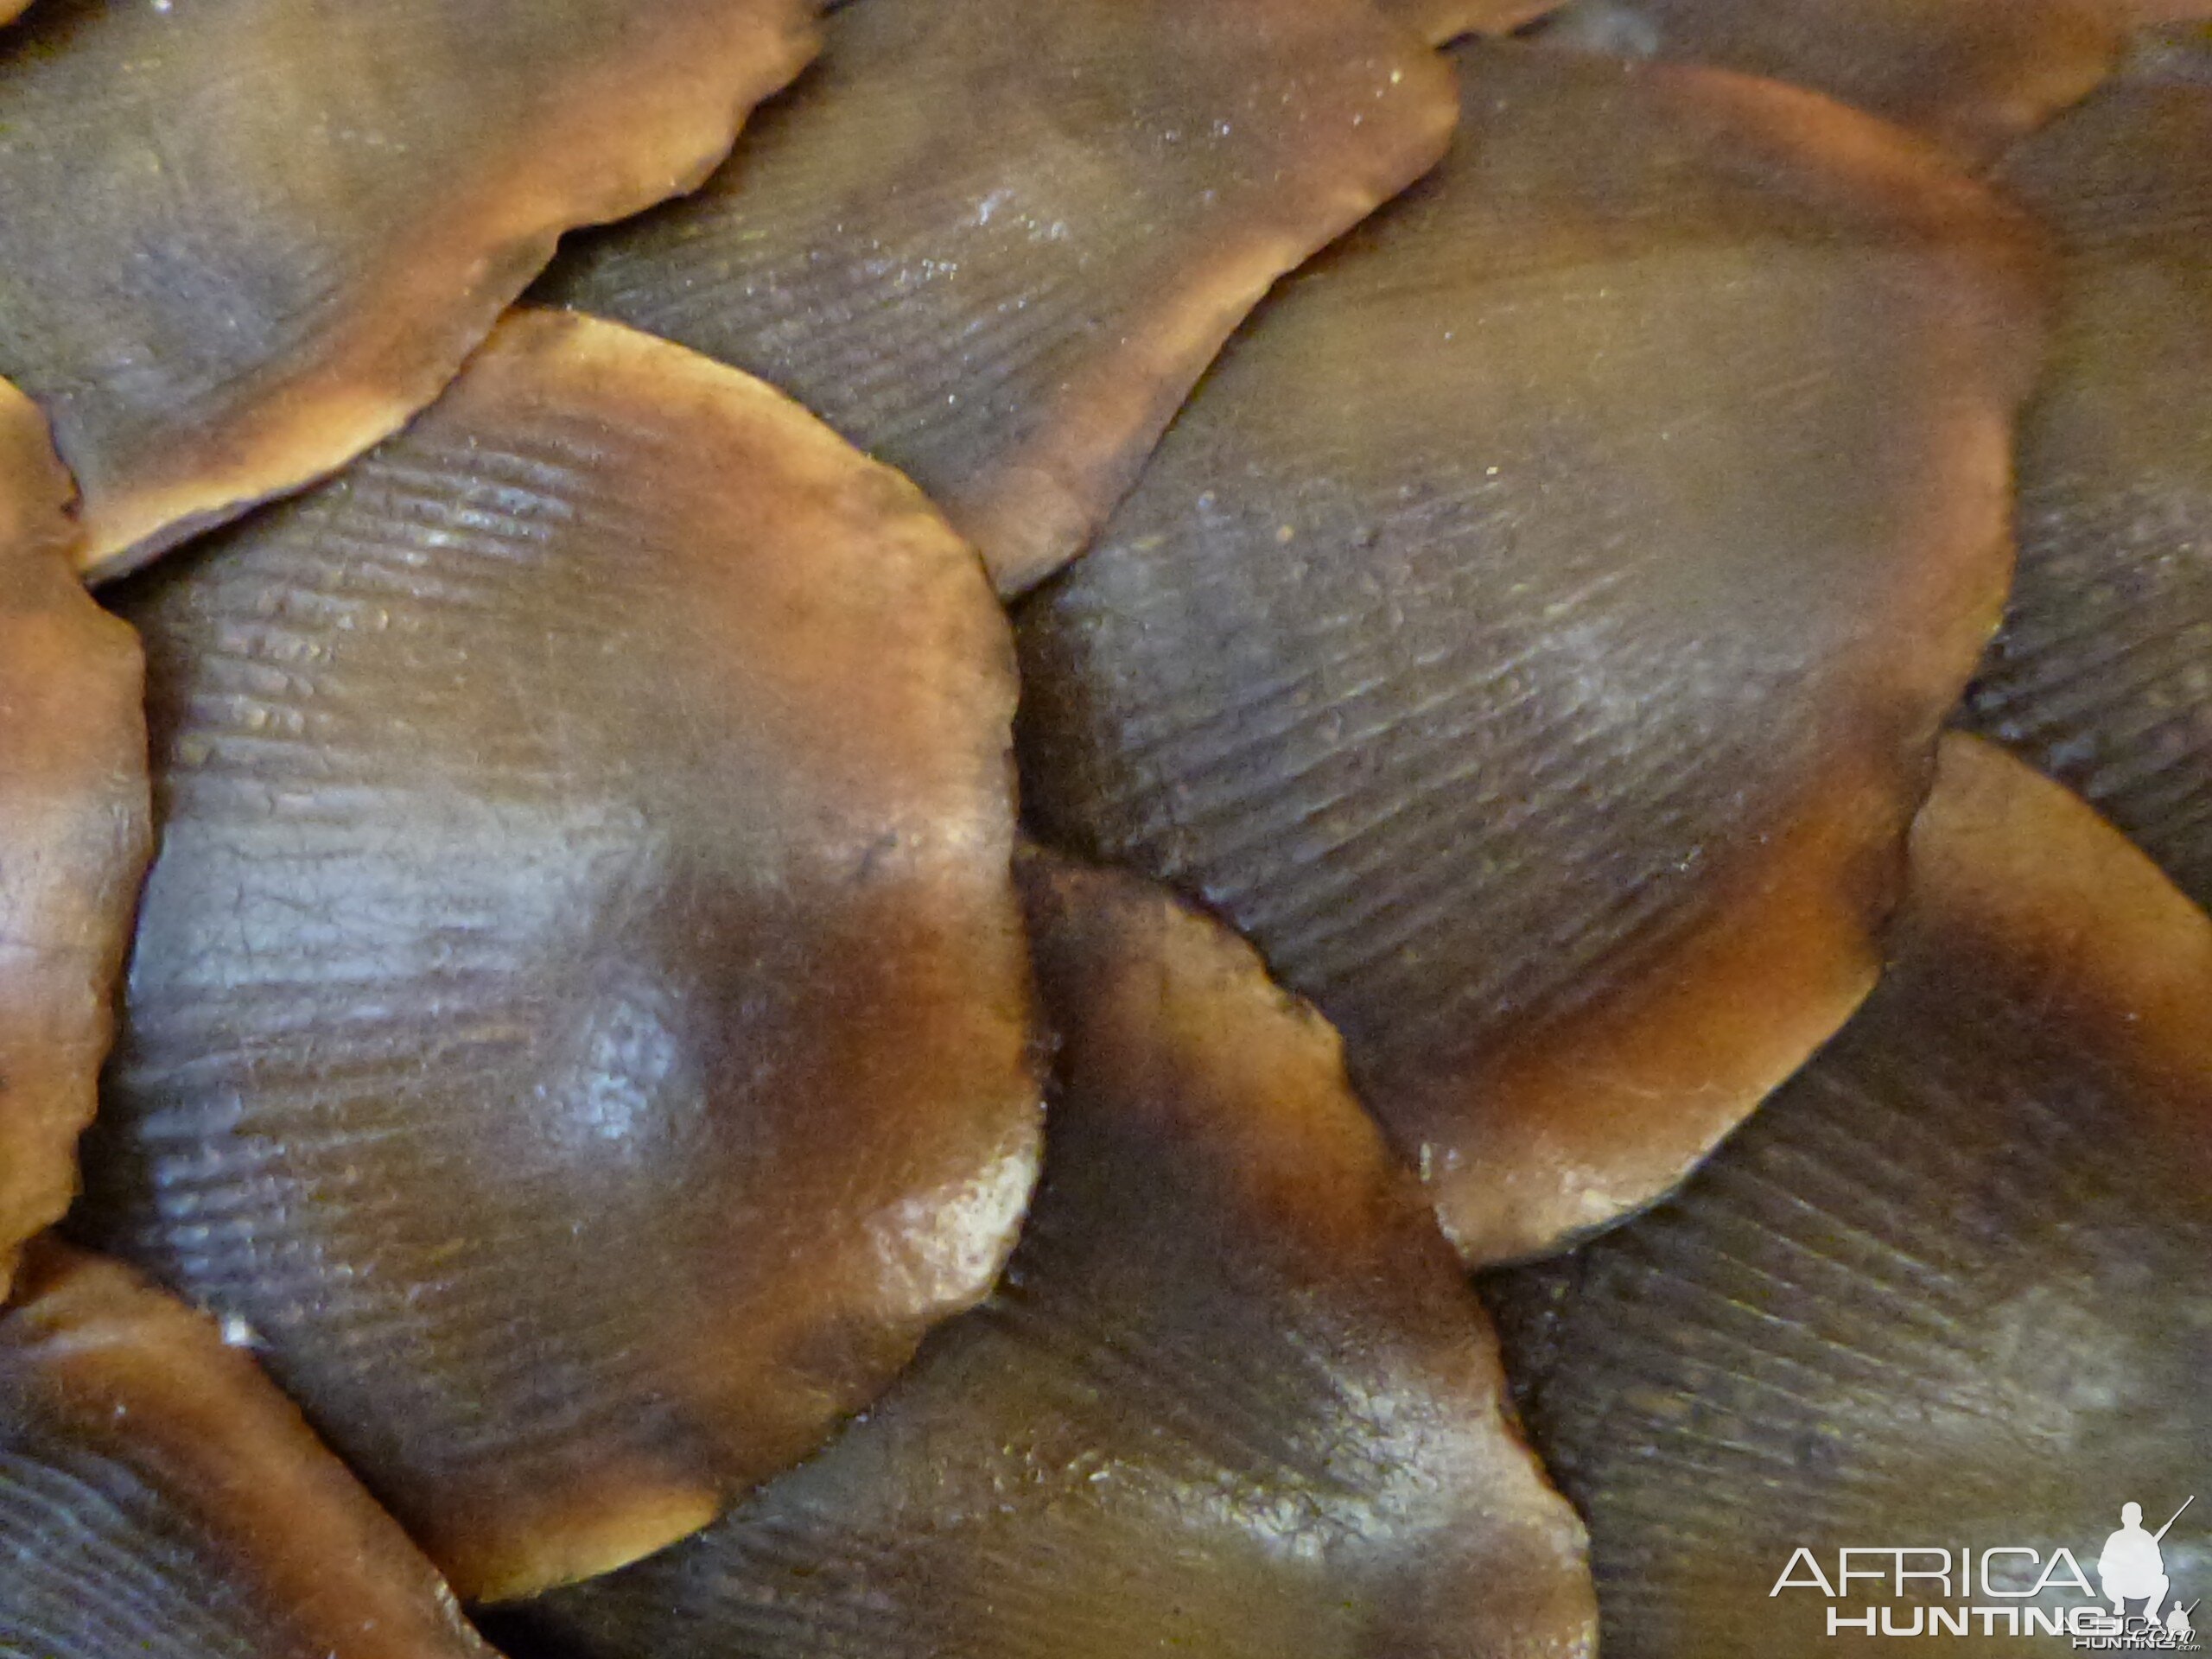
x=2132, y=1567
x=2009, y=1591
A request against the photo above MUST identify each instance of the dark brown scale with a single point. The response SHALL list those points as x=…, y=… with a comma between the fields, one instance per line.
x=1534, y=633
x=994, y=243
x=1974, y=76
x=159, y=1499
x=240, y=242
x=579, y=1016
x=2103, y=674
x=1234, y=1397
x=1945, y=1289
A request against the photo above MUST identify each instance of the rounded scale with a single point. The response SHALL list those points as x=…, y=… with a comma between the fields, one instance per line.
x=1945, y=1291
x=1234, y=1399
x=307, y=215
x=2102, y=675
x=75, y=831
x=1975, y=76
x=1534, y=634
x=994, y=243
x=159, y=1497
x=579, y=1018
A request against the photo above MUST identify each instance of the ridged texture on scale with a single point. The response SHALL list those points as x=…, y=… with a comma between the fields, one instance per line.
x=1534, y=633
x=1946, y=1289
x=996, y=243
x=241, y=240
x=1234, y=1398
x=160, y=1498
x=2103, y=674
x=1974, y=75
x=75, y=831
x=578, y=1019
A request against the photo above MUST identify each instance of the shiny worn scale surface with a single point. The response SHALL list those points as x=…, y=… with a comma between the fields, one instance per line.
x=880, y=1012
x=1233, y=1396
x=1549, y=706
x=578, y=1018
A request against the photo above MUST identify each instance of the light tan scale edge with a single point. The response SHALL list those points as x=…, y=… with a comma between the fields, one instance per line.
x=487, y=248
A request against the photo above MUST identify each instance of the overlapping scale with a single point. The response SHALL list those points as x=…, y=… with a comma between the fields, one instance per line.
x=2103, y=674
x=241, y=240
x=1534, y=632
x=580, y=1016
x=1234, y=1397
x=75, y=831
x=1947, y=1291
x=994, y=244
x=1974, y=75
x=159, y=1499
